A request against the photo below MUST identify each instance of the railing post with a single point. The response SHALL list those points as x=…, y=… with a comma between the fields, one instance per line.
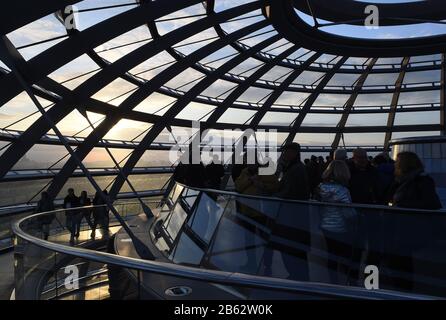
x=55, y=274
x=139, y=284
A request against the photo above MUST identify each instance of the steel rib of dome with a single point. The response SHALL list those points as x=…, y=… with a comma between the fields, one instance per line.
x=229, y=64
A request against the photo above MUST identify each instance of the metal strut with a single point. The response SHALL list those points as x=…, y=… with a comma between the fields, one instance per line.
x=140, y=247
x=145, y=208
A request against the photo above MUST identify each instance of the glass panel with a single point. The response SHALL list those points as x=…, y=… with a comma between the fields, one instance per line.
x=187, y=251
x=206, y=217
x=176, y=192
x=175, y=221
x=239, y=243
x=190, y=196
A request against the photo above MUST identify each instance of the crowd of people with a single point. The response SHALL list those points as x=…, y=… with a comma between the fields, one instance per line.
x=200, y=176
x=337, y=179
x=362, y=179
x=94, y=212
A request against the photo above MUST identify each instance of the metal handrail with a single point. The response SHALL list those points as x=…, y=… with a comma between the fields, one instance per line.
x=319, y=203
x=212, y=276
x=22, y=208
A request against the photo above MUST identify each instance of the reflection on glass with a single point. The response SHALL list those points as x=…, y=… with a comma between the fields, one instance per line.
x=186, y=251
x=190, y=196
x=285, y=239
x=176, y=192
x=237, y=248
x=206, y=217
x=175, y=221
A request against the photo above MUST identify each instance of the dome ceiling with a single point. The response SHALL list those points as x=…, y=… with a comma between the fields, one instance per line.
x=126, y=74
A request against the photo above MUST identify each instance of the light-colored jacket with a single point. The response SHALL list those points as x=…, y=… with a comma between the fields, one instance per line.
x=334, y=219
x=243, y=184
x=268, y=185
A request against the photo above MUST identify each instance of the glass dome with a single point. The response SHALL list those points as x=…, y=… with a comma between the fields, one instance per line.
x=117, y=79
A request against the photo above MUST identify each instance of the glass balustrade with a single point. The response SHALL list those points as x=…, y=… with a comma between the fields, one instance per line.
x=305, y=241
x=232, y=246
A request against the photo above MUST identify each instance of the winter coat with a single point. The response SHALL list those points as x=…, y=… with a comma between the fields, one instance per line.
x=336, y=218
x=415, y=190
x=294, y=183
x=366, y=186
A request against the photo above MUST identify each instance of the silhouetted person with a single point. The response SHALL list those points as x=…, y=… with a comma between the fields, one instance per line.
x=179, y=174
x=314, y=172
x=195, y=175
x=337, y=222
x=366, y=187
x=85, y=201
x=365, y=184
x=215, y=171
x=294, y=183
x=386, y=170
x=100, y=214
x=72, y=216
x=413, y=189
x=322, y=164
x=45, y=204
x=237, y=170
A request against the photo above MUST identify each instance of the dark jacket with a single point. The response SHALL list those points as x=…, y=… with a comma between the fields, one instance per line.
x=237, y=171
x=179, y=174
x=214, y=173
x=71, y=202
x=386, y=173
x=314, y=174
x=100, y=209
x=415, y=190
x=294, y=183
x=366, y=186
x=195, y=175
x=45, y=206
x=411, y=231
x=85, y=203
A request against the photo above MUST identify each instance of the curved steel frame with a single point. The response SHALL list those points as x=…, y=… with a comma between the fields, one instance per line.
x=295, y=29
x=77, y=43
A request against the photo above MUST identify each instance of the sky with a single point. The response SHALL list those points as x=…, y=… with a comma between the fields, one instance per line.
x=116, y=92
